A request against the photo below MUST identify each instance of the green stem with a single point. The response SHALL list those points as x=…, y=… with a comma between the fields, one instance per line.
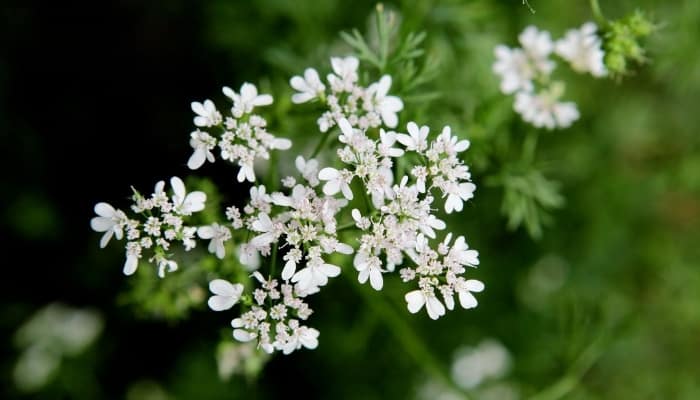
x=529, y=147
x=343, y=227
x=320, y=145
x=568, y=382
x=598, y=13
x=411, y=342
x=273, y=259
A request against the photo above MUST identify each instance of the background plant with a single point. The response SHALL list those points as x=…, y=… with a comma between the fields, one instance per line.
x=610, y=285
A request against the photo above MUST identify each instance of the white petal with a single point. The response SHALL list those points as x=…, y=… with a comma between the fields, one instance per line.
x=289, y=269
x=467, y=300
x=375, y=279
x=104, y=210
x=105, y=238
x=345, y=127
x=130, y=265
x=415, y=301
x=228, y=92
x=242, y=335
x=221, y=303
x=434, y=307
x=343, y=248
x=197, y=158
x=474, y=286
x=328, y=174
x=225, y=288
x=101, y=224
x=330, y=270
x=262, y=100
x=206, y=232
x=178, y=188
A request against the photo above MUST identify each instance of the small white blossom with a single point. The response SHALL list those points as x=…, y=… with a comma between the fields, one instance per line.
x=582, y=48
x=345, y=73
x=538, y=45
x=186, y=203
x=419, y=298
x=543, y=110
x=458, y=194
x=207, y=114
x=308, y=169
x=369, y=267
x=336, y=181
x=309, y=87
x=109, y=221
x=248, y=99
x=202, y=144
x=218, y=235
x=226, y=294
x=416, y=140
x=386, y=106
x=465, y=288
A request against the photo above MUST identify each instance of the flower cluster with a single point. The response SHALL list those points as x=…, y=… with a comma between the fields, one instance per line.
x=400, y=175
x=273, y=318
x=242, y=136
x=526, y=72
x=162, y=222
x=363, y=107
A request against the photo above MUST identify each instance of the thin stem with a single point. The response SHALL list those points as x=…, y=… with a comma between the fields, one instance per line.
x=529, y=147
x=568, y=382
x=343, y=227
x=598, y=13
x=411, y=342
x=273, y=259
x=320, y=145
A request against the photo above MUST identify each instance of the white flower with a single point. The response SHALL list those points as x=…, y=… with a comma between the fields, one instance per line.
x=248, y=99
x=226, y=294
x=207, y=115
x=386, y=106
x=242, y=335
x=417, y=298
x=345, y=76
x=416, y=140
x=301, y=336
x=218, y=235
x=451, y=143
x=309, y=87
x=336, y=181
x=133, y=253
x=369, y=267
x=543, y=110
x=464, y=289
x=202, y=144
x=461, y=252
x=292, y=258
x=186, y=203
x=246, y=173
x=308, y=169
x=582, y=49
x=109, y=221
x=538, y=46
x=315, y=274
x=514, y=69
x=385, y=147
x=248, y=256
x=457, y=194
x=165, y=265
x=263, y=224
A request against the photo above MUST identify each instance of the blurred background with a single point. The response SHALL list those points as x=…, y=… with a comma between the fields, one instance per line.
x=595, y=296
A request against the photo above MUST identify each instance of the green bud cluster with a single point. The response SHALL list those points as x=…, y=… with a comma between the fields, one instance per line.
x=622, y=42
